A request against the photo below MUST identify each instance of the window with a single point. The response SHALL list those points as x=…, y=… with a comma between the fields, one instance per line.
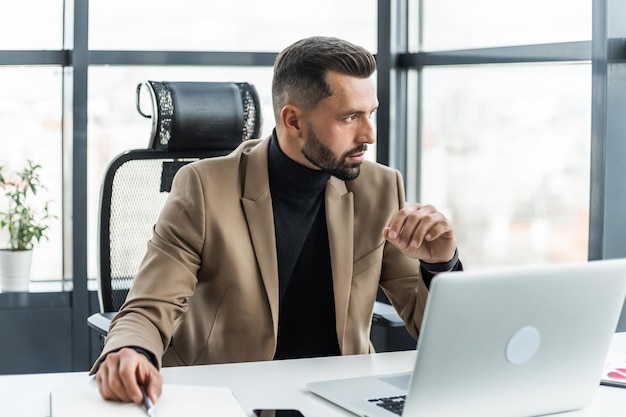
x=31, y=24
x=460, y=24
x=30, y=116
x=234, y=25
x=505, y=153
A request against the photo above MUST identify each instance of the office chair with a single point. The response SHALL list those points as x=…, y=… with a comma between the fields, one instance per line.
x=190, y=121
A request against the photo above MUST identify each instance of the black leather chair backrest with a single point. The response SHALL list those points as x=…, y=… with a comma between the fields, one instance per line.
x=190, y=121
x=201, y=115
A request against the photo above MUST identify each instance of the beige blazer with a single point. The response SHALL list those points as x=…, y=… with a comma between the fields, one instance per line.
x=207, y=290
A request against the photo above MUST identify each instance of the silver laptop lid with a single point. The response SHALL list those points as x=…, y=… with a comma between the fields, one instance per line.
x=516, y=342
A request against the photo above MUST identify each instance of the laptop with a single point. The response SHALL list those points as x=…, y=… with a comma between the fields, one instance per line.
x=502, y=342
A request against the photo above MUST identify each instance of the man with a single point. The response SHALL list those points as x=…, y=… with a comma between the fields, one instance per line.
x=277, y=250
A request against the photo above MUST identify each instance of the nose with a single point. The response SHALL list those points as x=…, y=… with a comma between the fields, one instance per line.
x=368, y=133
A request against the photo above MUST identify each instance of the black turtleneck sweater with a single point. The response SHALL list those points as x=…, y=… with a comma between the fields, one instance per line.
x=306, y=322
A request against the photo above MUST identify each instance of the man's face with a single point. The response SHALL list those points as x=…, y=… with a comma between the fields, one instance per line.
x=339, y=129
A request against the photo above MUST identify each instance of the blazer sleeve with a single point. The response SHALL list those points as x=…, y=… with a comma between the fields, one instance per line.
x=402, y=280
x=167, y=276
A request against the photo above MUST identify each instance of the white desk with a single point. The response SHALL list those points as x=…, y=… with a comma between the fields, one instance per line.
x=277, y=384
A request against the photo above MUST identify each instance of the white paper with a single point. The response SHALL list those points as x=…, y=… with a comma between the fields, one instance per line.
x=615, y=369
x=175, y=401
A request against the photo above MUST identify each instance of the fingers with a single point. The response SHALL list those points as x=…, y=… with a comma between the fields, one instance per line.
x=415, y=224
x=422, y=232
x=116, y=376
x=151, y=380
x=121, y=373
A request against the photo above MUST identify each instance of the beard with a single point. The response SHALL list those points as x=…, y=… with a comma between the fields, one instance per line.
x=320, y=155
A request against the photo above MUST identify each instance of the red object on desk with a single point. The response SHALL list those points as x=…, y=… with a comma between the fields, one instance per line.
x=618, y=373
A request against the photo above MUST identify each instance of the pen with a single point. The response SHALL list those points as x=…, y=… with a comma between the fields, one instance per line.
x=147, y=402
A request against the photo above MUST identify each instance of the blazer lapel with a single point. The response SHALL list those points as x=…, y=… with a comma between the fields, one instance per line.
x=257, y=205
x=340, y=221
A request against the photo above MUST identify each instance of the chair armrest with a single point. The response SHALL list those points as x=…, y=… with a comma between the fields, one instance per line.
x=385, y=315
x=100, y=322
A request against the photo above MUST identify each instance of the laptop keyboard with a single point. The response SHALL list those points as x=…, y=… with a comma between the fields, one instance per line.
x=394, y=404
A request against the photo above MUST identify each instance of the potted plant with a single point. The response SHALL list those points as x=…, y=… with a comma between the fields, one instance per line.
x=25, y=224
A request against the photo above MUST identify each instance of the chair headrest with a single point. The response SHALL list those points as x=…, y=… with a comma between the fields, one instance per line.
x=201, y=115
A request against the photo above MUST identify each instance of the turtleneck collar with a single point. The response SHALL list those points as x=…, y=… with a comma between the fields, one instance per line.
x=287, y=175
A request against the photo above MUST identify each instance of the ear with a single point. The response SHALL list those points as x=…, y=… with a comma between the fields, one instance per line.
x=290, y=117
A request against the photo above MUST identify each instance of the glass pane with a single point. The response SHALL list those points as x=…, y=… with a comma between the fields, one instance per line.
x=30, y=116
x=506, y=155
x=31, y=24
x=115, y=125
x=235, y=25
x=461, y=24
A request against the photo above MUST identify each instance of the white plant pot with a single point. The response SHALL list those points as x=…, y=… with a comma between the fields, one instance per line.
x=15, y=270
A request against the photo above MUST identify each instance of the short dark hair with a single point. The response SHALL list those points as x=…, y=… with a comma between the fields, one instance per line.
x=300, y=70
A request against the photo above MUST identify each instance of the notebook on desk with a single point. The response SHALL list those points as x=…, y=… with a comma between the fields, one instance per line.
x=510, y=342
x=175, y=401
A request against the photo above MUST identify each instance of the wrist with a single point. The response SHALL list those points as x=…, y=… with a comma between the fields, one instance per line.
x=441, y=266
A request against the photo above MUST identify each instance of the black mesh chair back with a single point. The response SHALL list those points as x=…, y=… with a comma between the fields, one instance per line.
x=190, y=121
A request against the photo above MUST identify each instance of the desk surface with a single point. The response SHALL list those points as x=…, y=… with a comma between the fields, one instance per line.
x=276, y=384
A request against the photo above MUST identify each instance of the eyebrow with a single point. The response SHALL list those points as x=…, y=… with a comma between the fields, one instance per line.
x=360, y=111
